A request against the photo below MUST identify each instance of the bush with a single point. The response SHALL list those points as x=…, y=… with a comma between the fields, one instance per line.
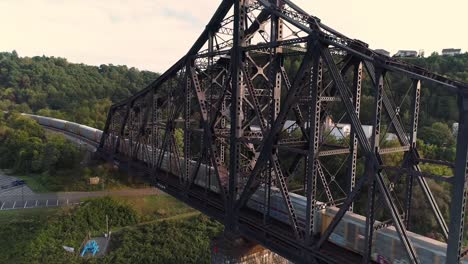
x=70, y=228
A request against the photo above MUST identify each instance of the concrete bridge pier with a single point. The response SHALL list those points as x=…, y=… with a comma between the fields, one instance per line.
x=238, y=250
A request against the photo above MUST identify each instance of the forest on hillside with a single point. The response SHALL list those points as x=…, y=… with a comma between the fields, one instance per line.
x=54, y=87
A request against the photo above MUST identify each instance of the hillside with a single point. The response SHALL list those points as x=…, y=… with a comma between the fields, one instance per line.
x=55, y=87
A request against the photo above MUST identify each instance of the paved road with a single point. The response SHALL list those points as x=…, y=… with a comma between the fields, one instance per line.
x=22, y=197
x=7, y=190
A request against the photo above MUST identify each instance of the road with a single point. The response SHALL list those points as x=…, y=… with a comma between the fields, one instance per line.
x=22, y=197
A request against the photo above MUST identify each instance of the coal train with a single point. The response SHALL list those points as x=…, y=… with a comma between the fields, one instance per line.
x=348, y=234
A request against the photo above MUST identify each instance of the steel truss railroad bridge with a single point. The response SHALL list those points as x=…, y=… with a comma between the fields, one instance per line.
x=256, y=65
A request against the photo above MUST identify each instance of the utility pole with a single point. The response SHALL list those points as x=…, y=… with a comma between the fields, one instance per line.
x=107, y=226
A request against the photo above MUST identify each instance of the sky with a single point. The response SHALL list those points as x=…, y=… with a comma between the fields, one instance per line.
x=154, y=34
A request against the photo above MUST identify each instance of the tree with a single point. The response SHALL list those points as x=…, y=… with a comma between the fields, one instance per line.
x=438, y=134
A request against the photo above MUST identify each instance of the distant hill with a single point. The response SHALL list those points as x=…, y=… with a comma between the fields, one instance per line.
x=55, y=87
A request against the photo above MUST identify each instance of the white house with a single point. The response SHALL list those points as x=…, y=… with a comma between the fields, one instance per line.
x=406, y=53
x=339, y=130
x=455, y=129
x=451, y=52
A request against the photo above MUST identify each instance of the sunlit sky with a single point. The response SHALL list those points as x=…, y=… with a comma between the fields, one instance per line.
x=153, y=34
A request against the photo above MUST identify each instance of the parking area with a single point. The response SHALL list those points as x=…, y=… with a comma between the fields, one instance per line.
x=12, y=186
x=16, y=195
x=36, y=203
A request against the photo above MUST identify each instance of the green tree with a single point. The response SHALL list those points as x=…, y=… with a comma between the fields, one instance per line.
x=438, y=134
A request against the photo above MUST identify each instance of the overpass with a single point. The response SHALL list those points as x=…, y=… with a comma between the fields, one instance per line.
x=210, y=131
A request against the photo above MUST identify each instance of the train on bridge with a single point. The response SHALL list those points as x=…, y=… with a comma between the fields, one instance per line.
x=349, y=234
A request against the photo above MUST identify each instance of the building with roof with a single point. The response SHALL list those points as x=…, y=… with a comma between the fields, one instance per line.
x=451, y=52
x=382, y=52
x=406, y=53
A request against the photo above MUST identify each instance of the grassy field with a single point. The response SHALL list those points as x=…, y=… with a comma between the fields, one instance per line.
x=35, y=183
x=42, y=183
x=156, y=207
x=18, y=228
x=14, y=216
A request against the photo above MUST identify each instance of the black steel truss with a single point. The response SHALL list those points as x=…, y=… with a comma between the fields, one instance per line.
x=230, y=97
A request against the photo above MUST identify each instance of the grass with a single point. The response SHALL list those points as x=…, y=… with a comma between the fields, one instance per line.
x=18, y=228
x=179, y=217
x=15, y=216
x=67, y=180
x=35, y=183
x=155, y=207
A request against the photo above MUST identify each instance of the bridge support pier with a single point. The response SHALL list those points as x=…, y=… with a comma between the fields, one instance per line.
x=241, y=251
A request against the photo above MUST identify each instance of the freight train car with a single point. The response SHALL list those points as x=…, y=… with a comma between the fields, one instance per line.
x=86, y=132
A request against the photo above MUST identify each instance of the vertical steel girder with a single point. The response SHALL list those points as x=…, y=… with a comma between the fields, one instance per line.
x=276, y=62
x=236, y=111
x=413, y=136
x=370, y=168
x=122, y=126
x=155, y=135
x=187, y=117
x=352, y=161
x=275, y=82
x=314, y=141
x=460, y=186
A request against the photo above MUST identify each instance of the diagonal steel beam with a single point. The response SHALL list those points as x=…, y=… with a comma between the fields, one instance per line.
x=201, y=97
x=325, y=184
x=388, y=107
x=268, y=142
x=404, y=141
x=370, y=154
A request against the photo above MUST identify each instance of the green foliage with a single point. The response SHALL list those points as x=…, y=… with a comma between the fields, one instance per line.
x=437, y=134
x=25, y=147
x=54, y=87
x=166, y=242
x=179, y=140
x=70, y=228
x=18, y=229
x=38, y=238
x=48, y=161
x=436, y=152
x=156, y=207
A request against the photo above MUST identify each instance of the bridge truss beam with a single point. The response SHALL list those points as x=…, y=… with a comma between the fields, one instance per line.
x=247, y=122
